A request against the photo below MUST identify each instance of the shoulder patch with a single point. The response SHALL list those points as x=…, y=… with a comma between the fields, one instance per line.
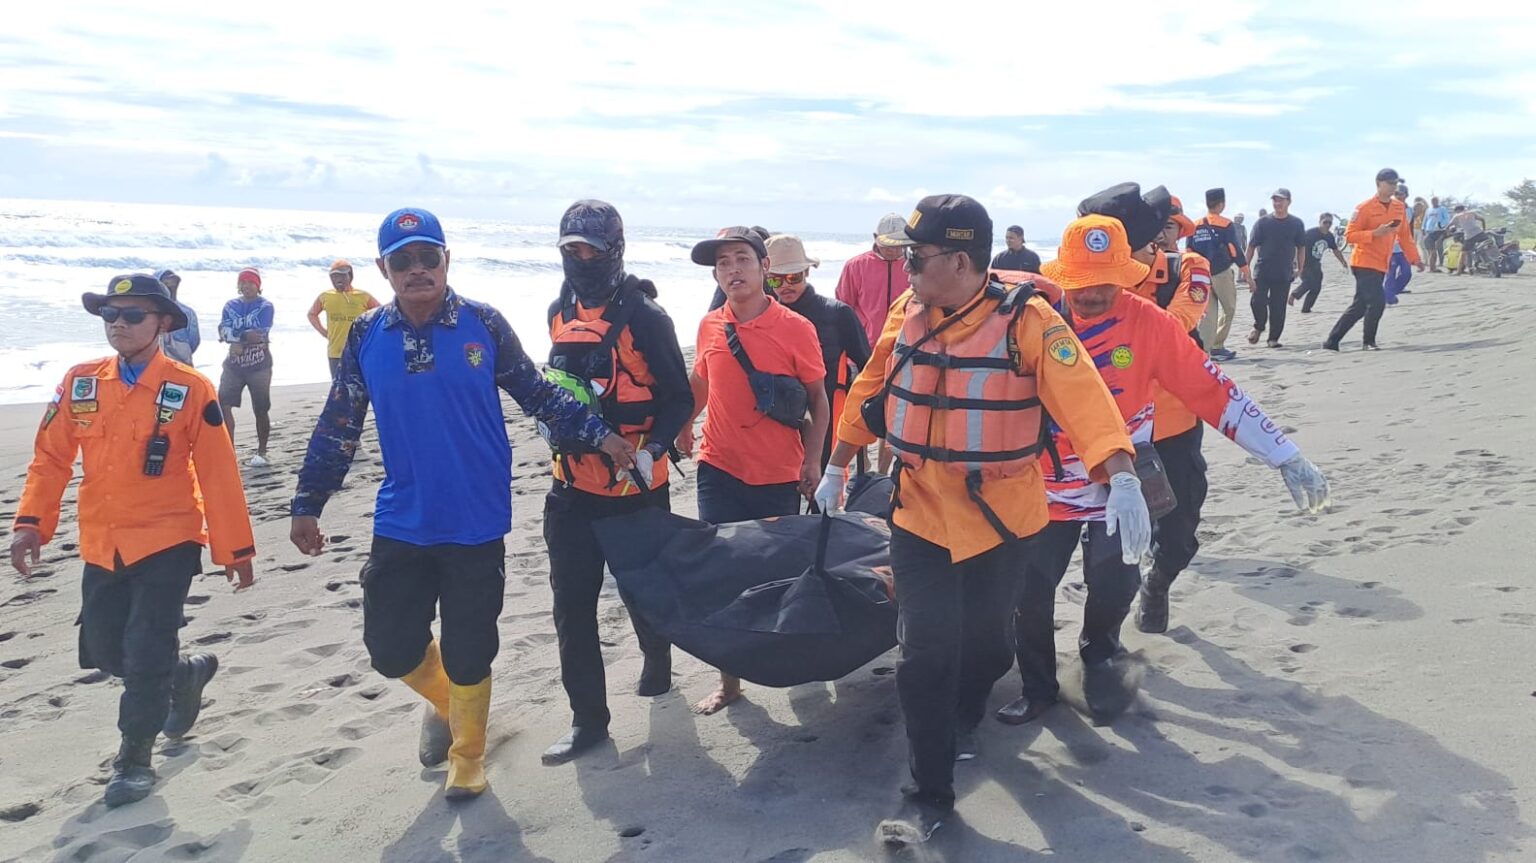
x=1063, y=350
x=212, y=415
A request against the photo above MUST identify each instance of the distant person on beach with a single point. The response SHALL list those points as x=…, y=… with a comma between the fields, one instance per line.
x=757, y=460
x=1278, y=248
x=1377, y=223
x=844, y=348
x=247, y=326
x=1398, y=271
x=180, y=344
x=1139, y=352
x=971, y=490
x=870, y=282
x=1466, y=226
x=1016, y=256
x=614, y=347
x=431, y=363
x=1221, y=242
x=160, y=481
x=1319, y=240
x=341, y=306
x=1437, y=221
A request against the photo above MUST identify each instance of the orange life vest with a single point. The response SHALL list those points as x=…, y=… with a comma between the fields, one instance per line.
x=600, y=349
x=986, y=410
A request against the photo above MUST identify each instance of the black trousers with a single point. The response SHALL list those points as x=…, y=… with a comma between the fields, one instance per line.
x=953, y=627
x=1268, y=303
x=723, y=499
x=1112, y=585
x=129, y=619
x=405, y=585
x=1370, y=302
x=1174, y=543
x=576, y=567
x=1311, y=285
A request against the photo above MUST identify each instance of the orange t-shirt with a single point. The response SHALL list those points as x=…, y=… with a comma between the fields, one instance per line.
x=737, y=438
x=1188, y=306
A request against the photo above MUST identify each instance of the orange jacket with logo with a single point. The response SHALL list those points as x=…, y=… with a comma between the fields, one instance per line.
x=934, y=502
x=1144, y=353
x=123, y=514
x=1373, y=252
x=1188, y=306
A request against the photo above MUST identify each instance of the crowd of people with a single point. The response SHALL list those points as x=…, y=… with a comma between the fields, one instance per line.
x=1024, y=410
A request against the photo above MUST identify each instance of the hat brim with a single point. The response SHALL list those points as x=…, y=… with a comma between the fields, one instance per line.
x=1127, y=275
x=94, y=302
x=704, y=252
x=893, y=241
x=402, y=243
x=1186, y=225
x=595, y=242
x=792, y=267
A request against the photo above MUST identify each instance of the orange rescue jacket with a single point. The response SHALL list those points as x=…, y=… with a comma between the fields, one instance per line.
x=1373, y=252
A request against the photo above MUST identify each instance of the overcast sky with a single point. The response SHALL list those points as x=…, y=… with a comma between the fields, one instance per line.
x=805, y=116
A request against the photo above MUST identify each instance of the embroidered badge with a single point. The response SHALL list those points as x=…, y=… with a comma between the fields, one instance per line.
x=83, y=390
x=173, y=396
x=474, y=353
x=1064, y=351
x=123, y=286
x=1121, y=357
x=85, y=407
x=1097, y=240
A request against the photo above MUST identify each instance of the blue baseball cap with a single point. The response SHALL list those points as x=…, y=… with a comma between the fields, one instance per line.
x=409, y=225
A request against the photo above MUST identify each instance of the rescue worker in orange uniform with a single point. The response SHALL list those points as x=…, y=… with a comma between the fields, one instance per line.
x=609, y=337
x=1143, y=353
x=160, y=481
x=958, y=386
x=1377, y=221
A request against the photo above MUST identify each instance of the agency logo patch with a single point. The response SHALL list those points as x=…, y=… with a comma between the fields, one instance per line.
x=84, y=389
x=1197, y=292
x=1097, y=240
x=173, y=396
x=408, y=222
x=1064, y=351
x=962, y=234
x=1121, y=357
x=123, y=286
x=474, y=354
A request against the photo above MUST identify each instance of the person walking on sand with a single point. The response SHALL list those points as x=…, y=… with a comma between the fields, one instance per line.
x=1398, y=271
x=758, y=456
x=1221, y=242
x=1319, y=240
x=247, y=326
x=1278, y=242
x=970, y=482
x=870, y=282
x=180, y=344
x=617, y=349
x=431, y=363
x=1378, y=222
x=341, y=306
x=1436, y=223
x=159, y=482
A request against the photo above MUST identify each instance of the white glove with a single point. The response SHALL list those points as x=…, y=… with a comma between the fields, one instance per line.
x=829, y=492
x=1309, y=488
x=1126, y=514
x=645, y=465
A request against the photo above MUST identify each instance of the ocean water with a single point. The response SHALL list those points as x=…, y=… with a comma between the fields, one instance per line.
x=51, y=252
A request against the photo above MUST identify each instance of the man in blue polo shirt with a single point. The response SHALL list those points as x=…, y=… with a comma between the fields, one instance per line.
x=431, y=362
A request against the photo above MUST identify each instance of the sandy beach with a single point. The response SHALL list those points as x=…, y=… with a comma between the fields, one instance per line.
x=1354, y=686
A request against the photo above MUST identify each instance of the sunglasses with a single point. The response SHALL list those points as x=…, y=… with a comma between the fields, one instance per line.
x=131, y=315
x=340, y=274
x=776, y=281
x=427, y=259
x=915, y=261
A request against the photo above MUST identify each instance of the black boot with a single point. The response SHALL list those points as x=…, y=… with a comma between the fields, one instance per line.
x=1023, y=709
x=578, y=740
x=1152, y=610
x=192, y=674
x=656, y=675
x=132, y=779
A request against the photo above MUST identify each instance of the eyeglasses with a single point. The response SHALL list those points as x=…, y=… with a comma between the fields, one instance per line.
x=915, y=261
x=131, y=315
x=776, y=281
x=427, y=259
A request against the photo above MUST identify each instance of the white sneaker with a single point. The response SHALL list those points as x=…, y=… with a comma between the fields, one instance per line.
x=258, y=461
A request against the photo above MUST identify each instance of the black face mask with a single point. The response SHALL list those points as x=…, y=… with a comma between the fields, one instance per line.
x=595, y=280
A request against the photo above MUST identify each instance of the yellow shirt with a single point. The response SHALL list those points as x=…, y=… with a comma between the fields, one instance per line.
x=341, y=309
x=934, y=502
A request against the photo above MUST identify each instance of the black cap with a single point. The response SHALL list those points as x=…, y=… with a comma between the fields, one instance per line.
x=1143, y=219
x=137, y=285
x=1215, y=196
x=704, y=253
x=1015, y=229
x=593, y=222
x=1388, y=175
x=952, y=221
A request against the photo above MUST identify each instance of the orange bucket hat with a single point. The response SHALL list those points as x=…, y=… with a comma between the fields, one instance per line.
x=1094, y=251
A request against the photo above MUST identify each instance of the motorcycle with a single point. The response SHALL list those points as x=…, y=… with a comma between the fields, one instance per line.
x=1486, y=253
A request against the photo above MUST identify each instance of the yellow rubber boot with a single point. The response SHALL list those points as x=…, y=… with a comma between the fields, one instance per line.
x=469, y=709
x=431, y=682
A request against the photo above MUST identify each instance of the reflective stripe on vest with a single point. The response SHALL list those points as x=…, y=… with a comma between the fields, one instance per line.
x=972, y=391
